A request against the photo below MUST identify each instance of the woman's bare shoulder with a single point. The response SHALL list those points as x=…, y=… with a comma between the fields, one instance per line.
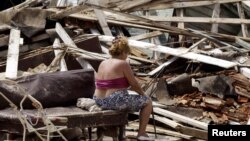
x=123, y=63
x=115, y=64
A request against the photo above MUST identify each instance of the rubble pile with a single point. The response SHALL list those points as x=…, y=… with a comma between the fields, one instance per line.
x=191, y=57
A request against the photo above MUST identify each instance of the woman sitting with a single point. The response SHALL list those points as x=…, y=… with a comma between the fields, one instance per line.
x=113, y=78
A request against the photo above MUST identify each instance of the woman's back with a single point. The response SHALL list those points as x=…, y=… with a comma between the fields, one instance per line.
x=110, y=69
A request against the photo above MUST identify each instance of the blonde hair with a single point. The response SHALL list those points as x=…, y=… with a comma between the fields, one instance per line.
x=119, y=45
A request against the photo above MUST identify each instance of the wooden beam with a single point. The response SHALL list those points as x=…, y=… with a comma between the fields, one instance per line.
x=141, y=59
x=214, y=39
x=169, y=122
x=175, y=52
x=199, y=20
x=22, y=5
x=4, y=41
x=247, y=3
x=132, y=4
x=40, y=37
x=195, y=132
x=181, y=118
x=195, y=45
x=242, y=43
x=84, y=64
x=242, y=16
x=7, y=14
x=13, y=54
x=112, y=3
x=149, y=25
x=67, y=12
x=181, y=25
x=159, y=68
x=57, y=46
x=102, y=19
x=91, y=18
x=146, y=35
x=65, y=37
x=164, y=131
x=245, y=71
x=190, y=131
x=216, y=14
x=164, y=26
x=154, y=5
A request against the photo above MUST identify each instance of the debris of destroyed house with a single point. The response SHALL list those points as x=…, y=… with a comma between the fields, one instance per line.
x=192, y=62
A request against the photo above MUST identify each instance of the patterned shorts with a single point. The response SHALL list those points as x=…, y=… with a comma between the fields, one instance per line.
x=121, y=100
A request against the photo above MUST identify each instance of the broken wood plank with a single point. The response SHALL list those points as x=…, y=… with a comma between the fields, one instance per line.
x=181, y=25
x=7, y=14
x=65, y=37
x=214, y=101
x=112, y=3
x=175, y=52
x=246, y=72
x=164, y=26
x=102, y=19
x=146, y=35
x=216, y=14
x=4, y=41
x=4, y=27
x=162, y=66
x=235, y=115
x=91, y=18
x=57, y=46
x=215, y=40
x=141, y=59
x=194, y=132
x=214, y=20
x=155, y=5
x=242, y=92
x=147, y=24
x=242, y=16
x=198, y=133
x=163, y=131
x=132, y=4
x=167, y=121
x=242, y=43
x=40, y=37
x=24, y=4
x=13, y=54
x=67, y=12
x=242, y=99
x=181, y=118
x=138, y=53
x=246, y=3
x=214, y=117
x=132, y=136
x=195, y=45
x=84, y=64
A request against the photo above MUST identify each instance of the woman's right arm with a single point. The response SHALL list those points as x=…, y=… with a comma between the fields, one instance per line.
x=128, y=73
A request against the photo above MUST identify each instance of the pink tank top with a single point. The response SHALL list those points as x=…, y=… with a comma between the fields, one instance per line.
x=112, y=83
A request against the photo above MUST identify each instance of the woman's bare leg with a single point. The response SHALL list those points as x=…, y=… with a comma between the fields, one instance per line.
x=144, y=118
